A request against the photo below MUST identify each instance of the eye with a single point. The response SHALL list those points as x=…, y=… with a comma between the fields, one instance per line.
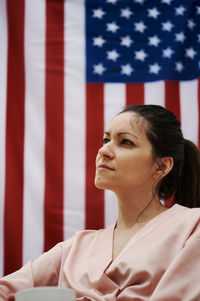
x=105, y=140
x=127, y=142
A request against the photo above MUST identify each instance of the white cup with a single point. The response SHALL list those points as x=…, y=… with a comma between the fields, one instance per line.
x=46, y=293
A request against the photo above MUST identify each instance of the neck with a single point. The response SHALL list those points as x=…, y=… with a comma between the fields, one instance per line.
x=137, y=210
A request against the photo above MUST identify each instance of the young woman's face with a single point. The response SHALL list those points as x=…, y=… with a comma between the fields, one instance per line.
x=125, y=160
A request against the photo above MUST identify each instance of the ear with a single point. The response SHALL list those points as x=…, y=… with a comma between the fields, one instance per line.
x=162, y=167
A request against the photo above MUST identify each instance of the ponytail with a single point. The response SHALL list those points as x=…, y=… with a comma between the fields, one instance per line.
x=187, y=192
x=182, y=183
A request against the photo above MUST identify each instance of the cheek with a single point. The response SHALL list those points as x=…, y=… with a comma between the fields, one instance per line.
x=97, y=158
x=139, y=164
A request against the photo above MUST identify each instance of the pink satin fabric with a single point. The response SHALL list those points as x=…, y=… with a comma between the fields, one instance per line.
x=160, y=263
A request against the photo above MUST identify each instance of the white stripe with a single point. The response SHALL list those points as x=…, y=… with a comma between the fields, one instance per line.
x=114, y=102
x=34, y=129
x=3, y=81
x=74, y=162
x=189, y=109
x=154, y=93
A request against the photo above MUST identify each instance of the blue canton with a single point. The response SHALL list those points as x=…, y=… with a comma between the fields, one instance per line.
x=142, y=40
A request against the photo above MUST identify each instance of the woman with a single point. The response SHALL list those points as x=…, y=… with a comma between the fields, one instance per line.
x=151, y=253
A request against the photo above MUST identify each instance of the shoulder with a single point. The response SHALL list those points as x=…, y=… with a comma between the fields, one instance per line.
x=94, y=235
x=186, y=214
x=88, y=239
x=178, y=215
x=183, y=221
x=81, y=234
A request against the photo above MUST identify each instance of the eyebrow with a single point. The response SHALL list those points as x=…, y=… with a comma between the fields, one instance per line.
x=122, y=133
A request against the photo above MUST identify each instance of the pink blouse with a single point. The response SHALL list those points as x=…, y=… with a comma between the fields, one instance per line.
x=160, y=263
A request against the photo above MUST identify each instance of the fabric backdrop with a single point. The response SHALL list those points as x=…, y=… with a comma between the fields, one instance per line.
x=66, y=68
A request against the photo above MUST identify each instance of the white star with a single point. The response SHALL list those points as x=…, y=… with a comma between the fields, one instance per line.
x=140, y=55
x=153, y=12
x=126, y=69
x=167, y=53
x=112, y=1
x=112, y=27
x=190, y=52
x=198, y=10
x=179, y=11
x=154, y=41
x=180, y=37
x=126, y=13
x=155, y=68
x=140, y=26
x=112, y=55
x=98, y=41
x=139, y=1
x=167, y=26
x=99, y=69
x=179, y=66
x=191, y=24
x=126, y=41
x=98, y=13
x=167, y=1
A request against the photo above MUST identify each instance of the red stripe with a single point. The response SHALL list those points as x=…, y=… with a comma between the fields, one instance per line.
x=134, y=94
x=198, y=93
x=94, y=204
x=13, y=215
x=172, y=97
x=172, y=103
x=54, y=137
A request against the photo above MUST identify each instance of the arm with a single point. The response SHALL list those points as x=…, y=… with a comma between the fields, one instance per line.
x=43, y=271
x=180, y=282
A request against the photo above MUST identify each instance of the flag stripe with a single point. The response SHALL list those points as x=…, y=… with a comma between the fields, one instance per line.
x=134, y=94
x=3, y=77
x=172, y=97
x=154, y=93
x=75, y=114
x=54, y=139
x=34, y=129
x=94, y=198
x=114, y=101
x=189, y=114
x=13, y=214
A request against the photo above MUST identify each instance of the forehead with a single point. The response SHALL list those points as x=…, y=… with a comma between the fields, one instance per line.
x=128, y=121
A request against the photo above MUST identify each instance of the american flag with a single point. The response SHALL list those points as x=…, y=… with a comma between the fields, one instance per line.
x=66, y=68
x=142, y=41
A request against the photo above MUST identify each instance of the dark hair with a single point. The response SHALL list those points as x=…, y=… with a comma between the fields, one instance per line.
x=163, y=131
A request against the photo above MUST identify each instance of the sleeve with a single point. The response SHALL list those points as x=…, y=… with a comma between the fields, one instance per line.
x=181, y=281
x=44, y=271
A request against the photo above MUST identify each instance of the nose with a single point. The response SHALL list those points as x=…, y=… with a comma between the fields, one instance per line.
x=106, y=151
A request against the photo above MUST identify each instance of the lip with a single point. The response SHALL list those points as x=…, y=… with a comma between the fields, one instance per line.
x=104, y=166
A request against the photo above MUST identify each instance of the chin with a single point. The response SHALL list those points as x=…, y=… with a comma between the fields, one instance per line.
x=101, y=184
